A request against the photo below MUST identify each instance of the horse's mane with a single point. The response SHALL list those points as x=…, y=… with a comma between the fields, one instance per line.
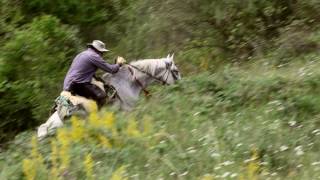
x=149, y=65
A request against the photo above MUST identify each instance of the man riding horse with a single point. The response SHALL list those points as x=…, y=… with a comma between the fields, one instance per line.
x=127, y=81
x=83, y=68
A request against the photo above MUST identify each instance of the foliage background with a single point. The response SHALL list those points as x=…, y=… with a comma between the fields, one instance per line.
x=239, y=59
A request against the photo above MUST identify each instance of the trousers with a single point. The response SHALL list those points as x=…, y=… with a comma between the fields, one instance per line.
x=90, y=91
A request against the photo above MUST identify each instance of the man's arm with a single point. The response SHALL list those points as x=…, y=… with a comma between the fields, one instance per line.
x=100, y=63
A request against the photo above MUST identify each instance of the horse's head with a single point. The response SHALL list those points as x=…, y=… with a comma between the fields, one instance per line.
x=173, y=73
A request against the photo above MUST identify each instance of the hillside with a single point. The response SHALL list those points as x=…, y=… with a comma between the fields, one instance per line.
x=255, y=121
x=246, y=108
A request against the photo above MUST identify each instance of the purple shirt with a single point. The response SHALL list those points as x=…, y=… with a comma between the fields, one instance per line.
x=84, y=66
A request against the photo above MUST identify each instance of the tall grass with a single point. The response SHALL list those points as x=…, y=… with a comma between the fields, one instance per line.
x=253, y=122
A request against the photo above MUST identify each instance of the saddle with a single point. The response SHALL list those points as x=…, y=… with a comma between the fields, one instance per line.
x=68, y=104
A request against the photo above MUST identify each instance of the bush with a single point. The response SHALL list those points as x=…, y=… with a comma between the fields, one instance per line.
x=33, y=64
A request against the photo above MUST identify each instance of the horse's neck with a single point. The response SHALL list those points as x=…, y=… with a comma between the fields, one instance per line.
x=147, y=70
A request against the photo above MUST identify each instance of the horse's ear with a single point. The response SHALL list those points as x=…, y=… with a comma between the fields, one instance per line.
x=172, y=56
x=168, y=56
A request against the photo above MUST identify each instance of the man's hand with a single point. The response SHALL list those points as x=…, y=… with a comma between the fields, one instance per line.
x=120, y=60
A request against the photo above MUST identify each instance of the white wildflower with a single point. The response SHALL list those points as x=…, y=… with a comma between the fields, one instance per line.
x=315, y=163
x=203, y=138
x=263, y=163
x=302, y=74
x=135, y=176
x=315, y=131
x=238, y=145
x=196, y=114
x=280, y=108
x=183, y=174
x=249, y=160
x=246, y=128
x=276, y=102
x=284, y=148
x=227, y=163
x=299, y=150
x=292, y=123
x=217, y=168
x=190, y=148
x=213, y=155
x=233, y=175
x=172, y=174
x=191, y=151
x=273, y=174
x=226, y=174
x=299, y=166
x=204, y=144
x=265, y=173
x=268, y=111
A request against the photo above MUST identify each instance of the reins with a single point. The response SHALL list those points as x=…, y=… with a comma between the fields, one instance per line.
x=146, y=92
x=150, y=75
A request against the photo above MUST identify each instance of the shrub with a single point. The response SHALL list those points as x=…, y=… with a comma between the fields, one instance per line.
x=33, y=64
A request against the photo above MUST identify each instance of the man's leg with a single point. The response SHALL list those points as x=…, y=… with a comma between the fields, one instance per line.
x=91, y=91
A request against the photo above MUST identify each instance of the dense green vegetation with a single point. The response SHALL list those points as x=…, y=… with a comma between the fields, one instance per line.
x=247, y=107
x=229, y=124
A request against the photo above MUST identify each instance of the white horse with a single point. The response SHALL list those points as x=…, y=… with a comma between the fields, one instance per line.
x=137, y=76
x=128, y=82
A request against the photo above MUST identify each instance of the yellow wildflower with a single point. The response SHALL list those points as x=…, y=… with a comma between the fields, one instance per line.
x=241, y=177
x=54, y=160
x=108, y=120
x=34, y=152
x=104, y=141
x=117, y=140
x=32, y=165
x=147, y=126
x=119, y=174
x=204, y=65
x=63, y=138
x=94, y=120
x=93, y=106
x=29, y=169
x=114, y=132
x=78, y=130
x=206, y=177
x=88, y=164
x=132, y=129
x=253, y=166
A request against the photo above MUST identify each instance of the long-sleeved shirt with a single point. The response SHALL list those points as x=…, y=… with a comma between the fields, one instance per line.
x=84, y=66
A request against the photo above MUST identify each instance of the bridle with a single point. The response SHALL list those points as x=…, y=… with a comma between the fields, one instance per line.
x=162, y=79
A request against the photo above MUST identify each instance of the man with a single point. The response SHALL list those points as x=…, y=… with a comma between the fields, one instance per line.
x=83, y=68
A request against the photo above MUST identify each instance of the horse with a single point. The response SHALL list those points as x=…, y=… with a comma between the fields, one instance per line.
x=128, y=83
x=135, y=77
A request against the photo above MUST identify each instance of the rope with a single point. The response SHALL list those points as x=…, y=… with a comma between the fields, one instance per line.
x=150, y=75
